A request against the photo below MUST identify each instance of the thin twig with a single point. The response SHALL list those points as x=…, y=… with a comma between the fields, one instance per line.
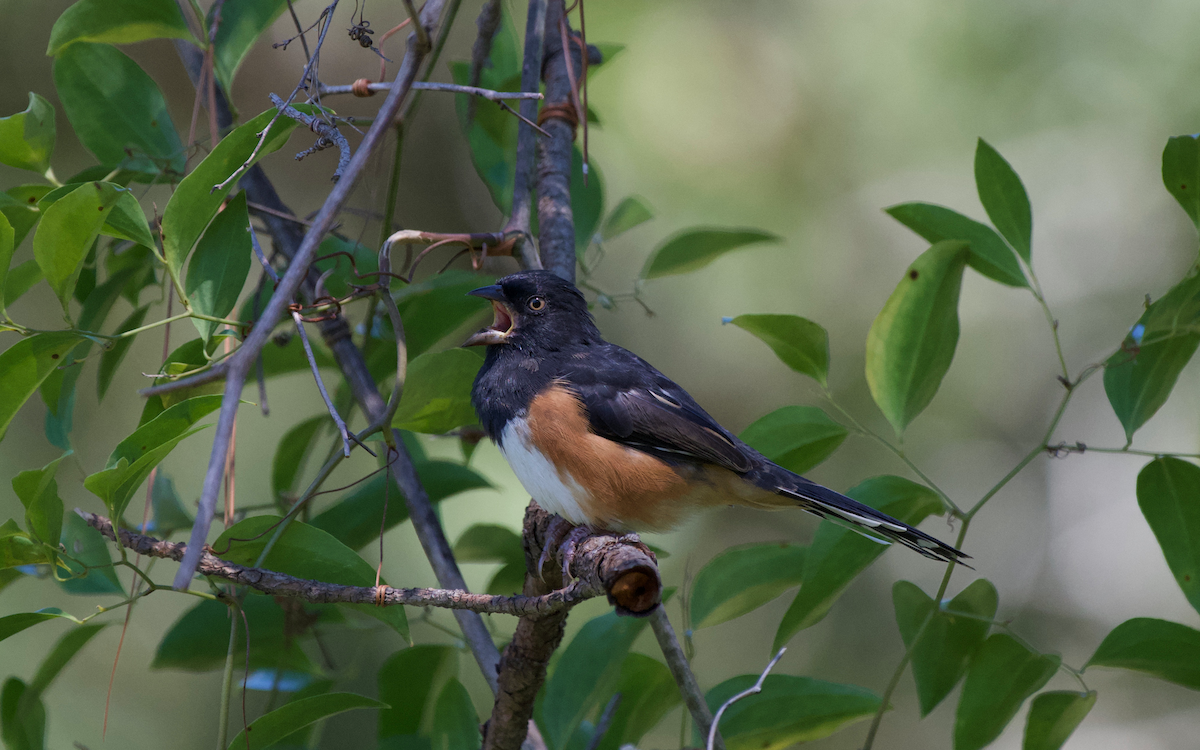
x=755, y=690
x=316, y=371
x=605, y=722
x=422, y=32
x=693, y=697
x=453, y=88
x=327, y=135
x=521, y=215
x=487, y=23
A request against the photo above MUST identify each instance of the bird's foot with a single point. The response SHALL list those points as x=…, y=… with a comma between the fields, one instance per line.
x=557, y=533
x=567, y=549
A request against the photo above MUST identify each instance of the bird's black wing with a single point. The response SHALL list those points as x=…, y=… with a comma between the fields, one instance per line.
x=629, y=401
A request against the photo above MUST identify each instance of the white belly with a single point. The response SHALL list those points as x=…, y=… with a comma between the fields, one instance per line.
x=555, y=492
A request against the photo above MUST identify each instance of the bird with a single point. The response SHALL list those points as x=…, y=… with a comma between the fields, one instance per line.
x=602, y=439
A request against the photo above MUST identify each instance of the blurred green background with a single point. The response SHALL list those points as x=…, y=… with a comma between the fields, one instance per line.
x=804, y=119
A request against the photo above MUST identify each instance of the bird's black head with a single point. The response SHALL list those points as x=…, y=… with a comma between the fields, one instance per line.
x=535, y=309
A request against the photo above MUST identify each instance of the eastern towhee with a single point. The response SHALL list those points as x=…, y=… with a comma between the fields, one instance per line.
x=604, y=440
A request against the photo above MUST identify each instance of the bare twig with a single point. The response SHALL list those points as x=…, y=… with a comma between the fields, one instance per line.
x=262, y=258
x=754, y=690
x=605, y=722
x=454, y=88
x=327, y=135
x=520, y=218
x=488, y=23
x=419, y=26
x=316, y=371
x=556, y=241
x=693, y=697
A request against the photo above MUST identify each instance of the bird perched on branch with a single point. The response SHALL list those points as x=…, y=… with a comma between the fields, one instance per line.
x=599, y=437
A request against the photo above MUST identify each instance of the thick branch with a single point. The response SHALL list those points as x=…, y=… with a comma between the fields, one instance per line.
x=521, y=216
x=556, y=224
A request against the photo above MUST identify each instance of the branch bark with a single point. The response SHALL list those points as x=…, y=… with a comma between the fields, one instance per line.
x=521, y=216
x=556, y=223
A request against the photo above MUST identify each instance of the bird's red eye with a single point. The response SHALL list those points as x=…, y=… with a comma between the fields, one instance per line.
x=537, y=304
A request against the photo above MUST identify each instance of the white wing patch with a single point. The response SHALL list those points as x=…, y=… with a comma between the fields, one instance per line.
x=554, y=492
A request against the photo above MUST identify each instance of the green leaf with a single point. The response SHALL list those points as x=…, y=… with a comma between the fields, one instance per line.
x=23, y=212
x=437, y=392
x=20, y=280
x=13, y=624
x=23, y=367
x=117, y=110
x=6, y=252
x=648, y=693
x=510, y=579
x=169, y=514
x=199, y=640
x=269, y=728
x=1166, y=650
x=1053, y=717
x=22, y=721
x=800, y=343
x=795, y=437
x=87, y=562
x=490, y=543
x=197, y=198
x=947, y=642
x=27, y=138
x=455, y=723
x=1181, y=173
x=1168, y=492
x=1139, y=376
x=134, y=457
x=118, y=22
x=242, y=23
x=111, y=358
x=837, y=554
x=1004, y=198
x=219, y=267
x=355, y=519
x=38, y=492
x=788, y=710
x=911, y=343
x=408, y=682
x=437, y=307
x=141, y=262
x=292, y=453
x=1002, y=675
x=629, y=213
x=127, y=221
x=67, y=231
x=989, y=255
x=586, y=675
x=741, y=579
x=61, y=655
x=692, y=249
x=306, y=552
x=587, y=201
x=18, y=548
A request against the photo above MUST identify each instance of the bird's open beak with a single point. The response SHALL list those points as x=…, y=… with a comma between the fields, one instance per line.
x=503, y=324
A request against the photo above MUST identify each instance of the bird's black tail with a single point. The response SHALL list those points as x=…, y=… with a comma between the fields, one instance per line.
x=836, y=507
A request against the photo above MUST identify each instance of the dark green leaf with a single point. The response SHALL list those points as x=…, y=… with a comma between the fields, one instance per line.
x=88, y=562
x=1054, y=716
x=1139, y=376
x=306, y=552
x=509, y=580
x=285, y=354
x=169, y=514
x=62, y=653
x=23, y=367
x=989, y=256
x=242, y=23
x=38, y=492
x=800, y=343
x=134, y=457
x=1003, y=197
x=648, y=692
x=110, y=359
x=199, y=639
x=118, y=22
x=219, y=267
x=629, y=213
x=1002, y=675
x=608, y=50
x=269, y=728
x=946, y=642
x=291, y=454
x=485, y=542
x=67, y=231
x=117, y=110
x=912, y=341
x=8, y=575
x=23, y=212
x=140, y=262
x=437, y=307
x=22, y=721
x=587, y=201
x=1166, y=650
x=1168, y=492
x=795, y=437
x=195, y=201
x=437, y=392
x=837, y=554
x=6, y=252
x=692, y=249
x=586, y=675
x=788, y=710
x=20, y=280
x=27, y=138
x=455, y=723
x=1181, y=173
x=13, y=624
x=356, y=518
x=409, y=681
x=18, y=548
x=744, y=578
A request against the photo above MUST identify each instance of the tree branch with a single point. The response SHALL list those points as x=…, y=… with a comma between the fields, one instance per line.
x=488, y=23
x=521, y=215
x=556, y=224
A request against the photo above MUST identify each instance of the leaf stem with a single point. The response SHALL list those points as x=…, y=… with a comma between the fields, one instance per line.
x=894, y=682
